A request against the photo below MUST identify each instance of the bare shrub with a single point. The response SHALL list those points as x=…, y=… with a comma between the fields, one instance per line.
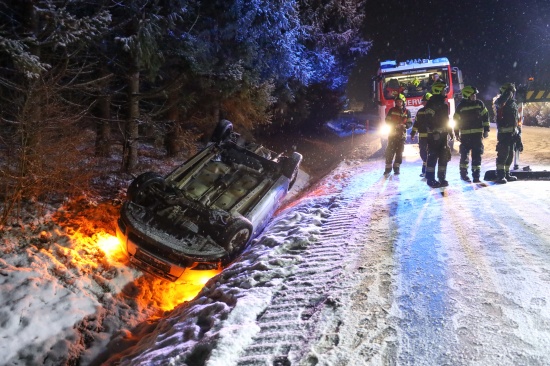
x=537, y=114
x=45, y=156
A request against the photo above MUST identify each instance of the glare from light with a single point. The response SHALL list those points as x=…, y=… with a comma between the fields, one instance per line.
x=384, y=130
x=411, y=152
x=452, y=123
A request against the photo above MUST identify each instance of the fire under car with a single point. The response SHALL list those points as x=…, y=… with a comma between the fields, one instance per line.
x=204, y=213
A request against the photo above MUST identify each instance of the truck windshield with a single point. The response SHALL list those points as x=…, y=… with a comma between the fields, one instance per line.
x=412, y=84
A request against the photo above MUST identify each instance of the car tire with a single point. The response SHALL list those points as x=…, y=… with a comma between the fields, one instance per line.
x=291, y=166
x=236, y=236
x=141, y=183
x=222, y=131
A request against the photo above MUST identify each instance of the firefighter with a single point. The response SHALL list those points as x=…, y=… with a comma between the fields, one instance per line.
x=399, y=120
x=421, y=129
x=472, y=126
x=437, y=121
x=507, y=117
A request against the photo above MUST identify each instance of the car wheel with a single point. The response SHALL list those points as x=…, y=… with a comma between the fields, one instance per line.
x=291, y=165
x=236, y=236
x=141, y=183
x=222, y=131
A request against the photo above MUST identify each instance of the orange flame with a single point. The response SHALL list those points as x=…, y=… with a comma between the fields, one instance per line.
x=93, y=247
x=111, y=246
x=168, y=295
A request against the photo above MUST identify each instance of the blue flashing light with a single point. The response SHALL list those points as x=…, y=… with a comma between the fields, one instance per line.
x=387, y=64
x=390, y=64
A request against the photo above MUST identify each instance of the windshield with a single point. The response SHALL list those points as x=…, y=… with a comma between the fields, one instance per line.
x=412, y=84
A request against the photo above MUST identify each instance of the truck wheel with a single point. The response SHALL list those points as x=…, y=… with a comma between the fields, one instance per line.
x=141, y=183
x=222, y=131
x=291, y=166
x=236, y=236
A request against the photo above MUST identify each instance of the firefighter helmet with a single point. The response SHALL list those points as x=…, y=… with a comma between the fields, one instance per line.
x=508, y=86
x=426, y=97
x=468, y=91
x=400, y=97
x=438, y=87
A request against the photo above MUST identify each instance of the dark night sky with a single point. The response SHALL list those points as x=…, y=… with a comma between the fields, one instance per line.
x=492, y=41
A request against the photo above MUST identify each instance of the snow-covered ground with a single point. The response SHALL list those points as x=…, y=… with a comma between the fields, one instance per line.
x=360, y=269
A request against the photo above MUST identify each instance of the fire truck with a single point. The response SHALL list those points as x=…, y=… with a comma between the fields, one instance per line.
x=413, y=79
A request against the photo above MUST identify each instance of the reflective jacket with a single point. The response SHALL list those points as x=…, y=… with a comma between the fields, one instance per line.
x=437, y=111
x=507, y=115
x=420, y=123
x=471, y=117
x=398, y=119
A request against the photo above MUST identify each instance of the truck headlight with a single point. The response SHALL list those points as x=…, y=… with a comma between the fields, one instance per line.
x=384, y=130
x=452, y=123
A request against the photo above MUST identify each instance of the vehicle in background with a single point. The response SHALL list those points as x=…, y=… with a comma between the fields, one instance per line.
x=413, y=79
x=203, y=214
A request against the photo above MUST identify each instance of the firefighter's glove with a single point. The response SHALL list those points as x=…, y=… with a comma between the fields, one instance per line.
x=485, y=134
x=519, y=145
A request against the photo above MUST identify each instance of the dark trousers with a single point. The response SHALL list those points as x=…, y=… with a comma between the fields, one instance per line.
x=505, y=153
x=471, y=143
x=439, y=155
x=423, y=146
x=395, y=148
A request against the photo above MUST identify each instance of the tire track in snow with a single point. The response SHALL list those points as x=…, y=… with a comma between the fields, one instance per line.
x=294, y=321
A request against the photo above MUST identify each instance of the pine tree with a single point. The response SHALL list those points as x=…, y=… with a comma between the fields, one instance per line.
x=43, y=63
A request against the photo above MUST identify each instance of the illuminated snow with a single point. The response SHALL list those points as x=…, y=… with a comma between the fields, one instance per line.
x=459, y=275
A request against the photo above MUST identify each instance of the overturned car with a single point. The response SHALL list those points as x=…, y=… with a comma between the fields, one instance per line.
x=205, y=212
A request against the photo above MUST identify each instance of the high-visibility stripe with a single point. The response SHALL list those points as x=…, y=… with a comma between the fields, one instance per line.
x=470, y=108
x=506, y=129
x=473, y=130
x=423, y=134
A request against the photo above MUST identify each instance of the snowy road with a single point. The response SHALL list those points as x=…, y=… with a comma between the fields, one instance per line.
x=361, y=269
x=448, y=276
x=373, y=270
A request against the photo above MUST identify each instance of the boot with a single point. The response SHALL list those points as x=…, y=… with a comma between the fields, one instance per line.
x=475, y=175
x=501, y=177
x=510, y=178
x=464, y=175
x=396, y=169
x=441, y=176
x=423, y=174
x=430, y=180
x=387, y=170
